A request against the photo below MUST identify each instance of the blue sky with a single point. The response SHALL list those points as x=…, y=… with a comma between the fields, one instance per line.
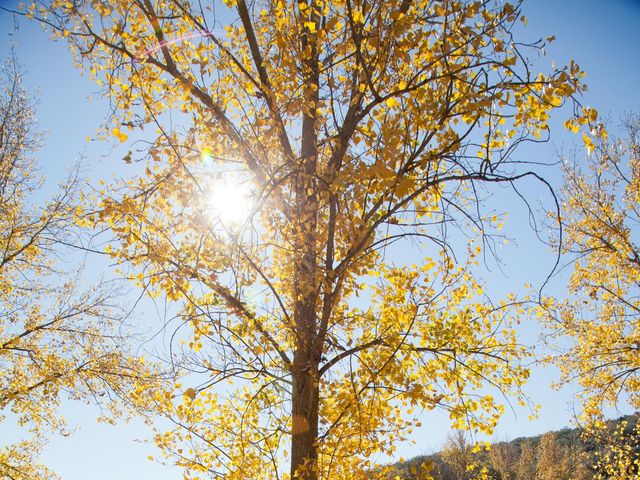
x=603, y=37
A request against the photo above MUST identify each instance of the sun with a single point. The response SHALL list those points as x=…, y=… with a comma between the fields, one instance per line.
x=229, y=200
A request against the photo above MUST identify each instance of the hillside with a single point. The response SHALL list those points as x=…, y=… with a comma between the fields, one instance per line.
x=565, y=454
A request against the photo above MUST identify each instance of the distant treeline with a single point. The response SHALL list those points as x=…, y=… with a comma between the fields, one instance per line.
x=568, y=454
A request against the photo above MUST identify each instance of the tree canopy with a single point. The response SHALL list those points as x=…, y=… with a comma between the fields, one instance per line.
x=358, y=130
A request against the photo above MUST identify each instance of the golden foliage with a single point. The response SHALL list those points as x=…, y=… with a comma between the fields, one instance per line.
x=359, y=126
x=600, y=214
x=603, y=322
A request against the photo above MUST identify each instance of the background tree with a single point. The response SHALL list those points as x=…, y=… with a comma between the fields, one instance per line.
x=601, y=214
x=549, y=459
x=526, y=466
x=502, y=458
x=601, y=211
x=581, y=463
x=55, y=341
x=357, y=128
x=457, y=455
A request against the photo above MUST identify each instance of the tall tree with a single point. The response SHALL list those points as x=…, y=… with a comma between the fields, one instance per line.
x=503, y=460
x=357, y=127
x=550, y=457
x=601, y=214
x=580, y=462
x=457, y=454
x=56, y=341
x=526, y=467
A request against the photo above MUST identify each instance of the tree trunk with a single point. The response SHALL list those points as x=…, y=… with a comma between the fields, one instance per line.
x=304, y=440
x=306, y=390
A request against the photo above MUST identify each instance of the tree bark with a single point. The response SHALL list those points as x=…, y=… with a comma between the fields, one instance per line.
x=304, y=438
x=306, y=390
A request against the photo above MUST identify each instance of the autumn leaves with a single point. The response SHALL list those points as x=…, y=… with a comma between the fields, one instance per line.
x=361, y=126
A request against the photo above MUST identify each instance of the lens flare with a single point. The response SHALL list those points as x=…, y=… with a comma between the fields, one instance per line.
x=206, y=155
x=229, y=200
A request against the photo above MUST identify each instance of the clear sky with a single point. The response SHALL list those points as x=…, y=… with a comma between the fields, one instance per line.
x=603, y=37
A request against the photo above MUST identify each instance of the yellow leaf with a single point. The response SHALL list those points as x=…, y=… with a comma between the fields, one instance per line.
x=119, y=134
x=588, y=143
x=555, y=101
x=358, y=17
x=391, y=102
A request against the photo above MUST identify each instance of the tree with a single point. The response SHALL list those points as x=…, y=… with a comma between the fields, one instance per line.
x=550, y=457
x=526, y=468
x=580, y=463
x=457, y=454
x=55, y=341
x=503, y=459
x=600, y=214
x=600, y=206
x=559, y=461
x=358, y=128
